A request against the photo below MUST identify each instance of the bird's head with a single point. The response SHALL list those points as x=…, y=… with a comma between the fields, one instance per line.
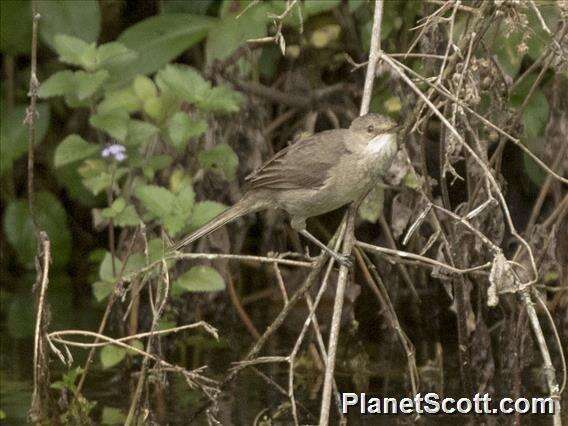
x=373, y=125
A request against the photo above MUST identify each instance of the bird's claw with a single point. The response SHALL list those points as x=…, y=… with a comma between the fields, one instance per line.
x=345, y=260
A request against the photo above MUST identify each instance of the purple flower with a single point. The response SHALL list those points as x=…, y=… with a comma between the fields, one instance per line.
x=116, y=151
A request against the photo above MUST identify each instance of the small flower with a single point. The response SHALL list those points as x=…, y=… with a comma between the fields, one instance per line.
x=116, y=151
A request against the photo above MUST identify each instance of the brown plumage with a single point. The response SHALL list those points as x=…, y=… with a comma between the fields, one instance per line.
x=316, y=175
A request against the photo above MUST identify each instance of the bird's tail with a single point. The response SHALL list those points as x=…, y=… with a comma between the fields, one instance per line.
x=243, y=207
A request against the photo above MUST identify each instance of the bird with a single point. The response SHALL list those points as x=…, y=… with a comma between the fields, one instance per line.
x=315, y=175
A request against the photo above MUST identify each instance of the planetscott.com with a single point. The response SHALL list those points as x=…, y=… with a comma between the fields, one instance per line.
x=431, y=403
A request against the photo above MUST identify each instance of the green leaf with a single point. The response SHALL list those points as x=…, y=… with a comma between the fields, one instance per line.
x=59, y=84
x=181, y=128
x=506, y=49
x=139, y=132
x=221, y=99
x=89, y=83
x=144, y=87
x=116, y=207
x=199, y=278
x=122, y=214
x=137, y=344
x=160, y=39
x=228, y=34
x=80, y=84
x=127, y=217
x=204, y=211
x=178, y=218
x=102, y=290
x=372, y=206
x=14, y=134
x=75, y=18
x=185, y=81
x=75, y=51
x=73, y=148
x=309, y=8
x=51, y=217
x=112, y=355
x=114, y=57
x=535, y=115
x=221, y=159
x=536, y=174
x=122, y=99
x=114, y=123
x=112, y=416
x=15, y=38
x=156, y=199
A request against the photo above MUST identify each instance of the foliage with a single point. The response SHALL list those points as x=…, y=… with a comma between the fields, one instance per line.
x=144, y=132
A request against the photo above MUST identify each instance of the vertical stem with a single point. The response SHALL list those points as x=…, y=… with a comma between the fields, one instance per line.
x=349, y=238
x=348, y=242
x=374, y=56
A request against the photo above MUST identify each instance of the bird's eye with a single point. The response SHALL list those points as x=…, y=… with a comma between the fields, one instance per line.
x=370, y=128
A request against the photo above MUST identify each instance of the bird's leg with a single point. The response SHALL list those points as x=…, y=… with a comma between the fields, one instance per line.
x=343, y=260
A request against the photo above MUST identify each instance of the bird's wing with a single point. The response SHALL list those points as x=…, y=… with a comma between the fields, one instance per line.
x=303, y=165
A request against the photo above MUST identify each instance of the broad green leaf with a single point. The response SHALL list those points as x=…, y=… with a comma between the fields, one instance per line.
x=88, y=83
x=179, y=216
x=309, y=8
x=372, y=206
x=185, y=81
x=106, y=269
x=75, y=51
x=139, y=132
x=199, y=278
x=115, y=208
x=59, y=84
x=156, y=199
x=204, y=211
x=122, y=99
x=127, y=217
x=533, y=171
x=14, y=133
x=15, y=37
x=221, y=159
x=144, y=87
x=75, y=18
x=134, y=263
x=73, y=148
x=51, y=217
x=539, y=39
x=221, y=99
x=536, y=112
x=80, y=84
x=154, y=108
x=102, y=290
x=535, y=115
x=122, y=214
x=228, y=34
x=136, y=343
x=111, y=355
x=160, y=39
x=506, y=49
x=114, y=123
x=183, y=6
x=114, y=57
x=97, y=184
x=112, y=416
x=181, y=128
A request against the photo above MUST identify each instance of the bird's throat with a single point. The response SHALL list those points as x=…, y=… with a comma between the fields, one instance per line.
x=382, y=144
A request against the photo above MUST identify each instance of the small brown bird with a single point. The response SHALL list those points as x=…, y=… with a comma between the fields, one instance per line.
x=316, y=175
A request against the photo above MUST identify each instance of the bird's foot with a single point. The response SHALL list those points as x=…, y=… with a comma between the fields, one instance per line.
x=344, y=260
